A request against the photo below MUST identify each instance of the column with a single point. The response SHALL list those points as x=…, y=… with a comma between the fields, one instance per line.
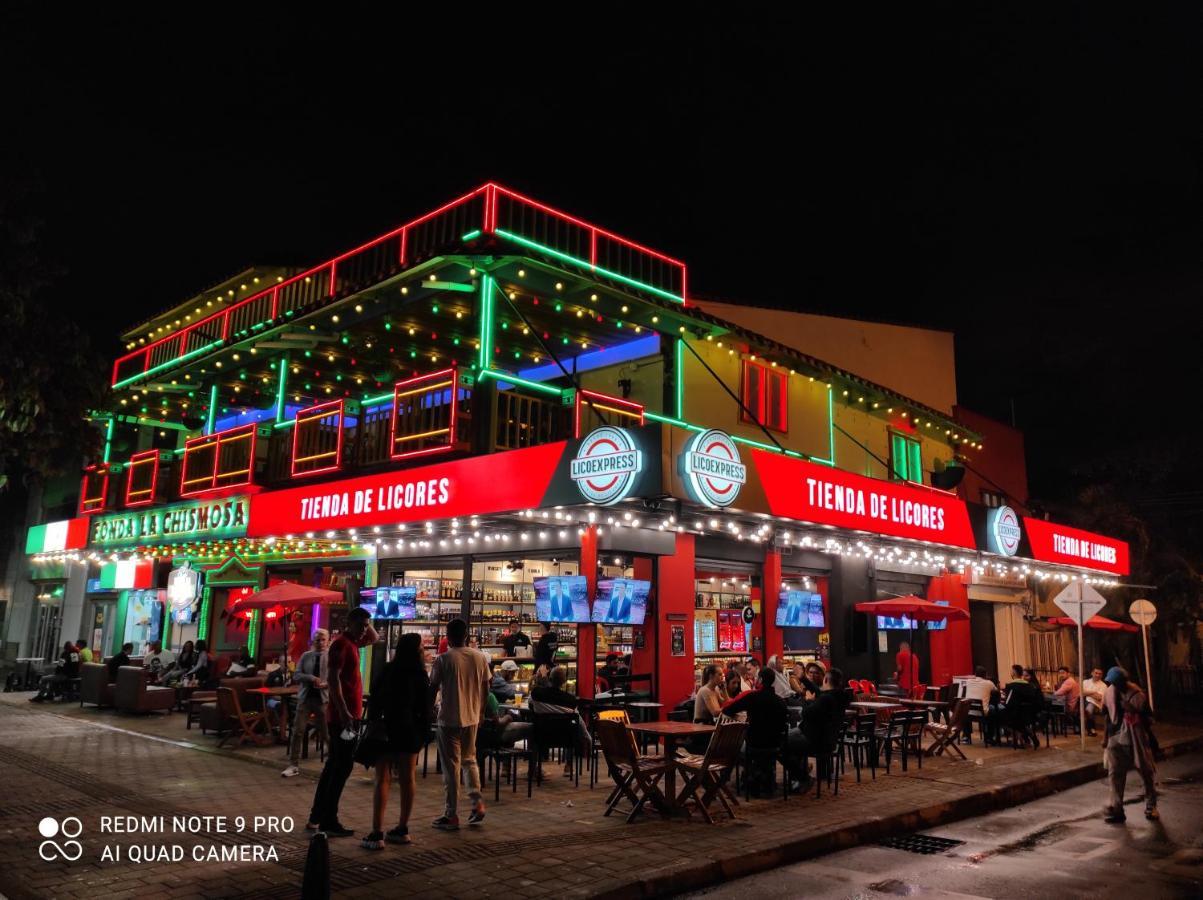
x=644, y=661
x=951, y=647
x=674, y=609
x=773, y=637
x=586, y=635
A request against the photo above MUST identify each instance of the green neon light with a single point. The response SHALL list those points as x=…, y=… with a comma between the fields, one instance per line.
x=287, y=423
x=108, y=439
x=679, y=376
x=668, y=420
x=498, y=375
x=486, y=320
x=167, y=365
x=379, y=398
x=282, y=388
x=202, y=622
x=252, y=638
x=583, y=264
x=470, y=235
x=212, y=409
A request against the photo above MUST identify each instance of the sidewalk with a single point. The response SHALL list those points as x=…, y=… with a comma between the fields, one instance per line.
x=57, y=760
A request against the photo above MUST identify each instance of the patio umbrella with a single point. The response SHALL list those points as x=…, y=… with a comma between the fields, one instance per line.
x=1100, y=622
x=916, y=609
x=287, y=594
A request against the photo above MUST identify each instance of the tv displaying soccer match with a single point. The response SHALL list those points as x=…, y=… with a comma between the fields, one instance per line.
x=800, y=609
x=390, y=603
x=621, y=601
x=561, y=598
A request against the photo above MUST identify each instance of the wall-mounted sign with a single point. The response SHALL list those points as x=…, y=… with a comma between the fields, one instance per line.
x=810, y=492
x=183, y=587
x=606, y=465
x=676, y=640
x=1003, y=531
x=1055, y=543
x=713, y=469
x=196, y=520
x=67, y=534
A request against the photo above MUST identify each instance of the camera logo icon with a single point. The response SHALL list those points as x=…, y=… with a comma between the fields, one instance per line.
x=69, y=828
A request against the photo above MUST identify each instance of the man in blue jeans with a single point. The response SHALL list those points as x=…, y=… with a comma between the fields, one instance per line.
x=460, y=679
x=344, y=713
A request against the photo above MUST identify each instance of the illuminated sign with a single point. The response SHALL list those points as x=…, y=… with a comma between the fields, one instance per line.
x=67, y=534
x=1055, y=543
x=713, y=470
x=606, y=465
x=194, y=520
x=1003, y=531
x=810, y=492
x=183, y=587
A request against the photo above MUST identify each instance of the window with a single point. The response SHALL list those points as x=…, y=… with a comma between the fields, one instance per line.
x=992, y=499
x=906, y=458
x=765, y=397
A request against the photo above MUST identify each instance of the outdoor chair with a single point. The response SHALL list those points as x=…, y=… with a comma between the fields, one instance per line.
x=312, y=730
x=248, y=726
x=555, y=731
x=490, y=753
x=947, y=737
x=607, y=714
x=636, y=778
x=829, y=763
x=976, y=714
x=859, y=740
x=709, y=773
x=760, y=766
x=904, y=731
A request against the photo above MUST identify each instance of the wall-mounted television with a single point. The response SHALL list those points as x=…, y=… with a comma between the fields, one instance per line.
x=800, y=609
x=621, y=601
x=561, y=598
x=390, y=603
x=904, y=623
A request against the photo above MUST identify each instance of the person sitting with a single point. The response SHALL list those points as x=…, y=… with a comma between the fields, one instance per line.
x=1067, y=687
x=553, y=698
x=157, y=661
x=244, y=666
x=502, y=686
x=1092, y=692
x=1021, y=702
x=200, y=668
x=981, y=688
x=820, y=728
x=67, y=668
x=184, y=661
x=766, y=715
x=613, y=666
x=781, y=681
x=709, y=700
x=505, y=729
x=117, y=660
x=85, y=652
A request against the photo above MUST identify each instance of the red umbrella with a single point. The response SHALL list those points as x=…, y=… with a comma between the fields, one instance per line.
x=1100, y=622
x=286, y=594
x=915, y=608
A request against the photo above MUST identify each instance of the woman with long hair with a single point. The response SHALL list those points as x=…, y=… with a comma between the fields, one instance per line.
x=401, y=698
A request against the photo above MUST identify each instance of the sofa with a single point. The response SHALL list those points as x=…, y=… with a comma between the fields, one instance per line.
x=133, y=694
x=211, y=718
x=94, y=685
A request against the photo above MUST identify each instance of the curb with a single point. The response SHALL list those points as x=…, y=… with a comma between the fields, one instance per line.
x=704, y=875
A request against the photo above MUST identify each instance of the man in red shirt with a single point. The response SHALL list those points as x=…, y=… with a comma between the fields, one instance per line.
x=343, y=714
x=907, y=667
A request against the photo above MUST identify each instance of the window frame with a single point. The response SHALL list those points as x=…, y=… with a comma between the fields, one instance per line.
x=765, y=374
x=913, y=459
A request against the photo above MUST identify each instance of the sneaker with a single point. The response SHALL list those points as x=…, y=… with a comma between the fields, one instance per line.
x=373, y=841
x=446, y=823
x=478, y=813
x=291, y=771
x=1152, y=814
x=1114, y=817
x=399, y=835
x=338, y=830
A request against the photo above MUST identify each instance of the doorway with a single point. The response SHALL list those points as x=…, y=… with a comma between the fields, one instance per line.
x=981, y=635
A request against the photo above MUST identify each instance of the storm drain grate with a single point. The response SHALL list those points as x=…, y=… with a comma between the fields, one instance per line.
x=920, y=843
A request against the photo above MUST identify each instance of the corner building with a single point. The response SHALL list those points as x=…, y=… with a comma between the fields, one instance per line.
x=443, y=420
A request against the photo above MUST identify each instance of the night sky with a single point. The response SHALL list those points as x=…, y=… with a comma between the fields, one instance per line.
x=1032, y=184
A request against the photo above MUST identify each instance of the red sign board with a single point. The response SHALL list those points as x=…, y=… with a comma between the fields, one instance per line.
x=810, y=492
x=1055, y=543
x=478, y=485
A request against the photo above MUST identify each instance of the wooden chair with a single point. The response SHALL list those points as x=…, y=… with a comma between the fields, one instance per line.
x=312, y=729
x=949, y=736
x=710, y=772
x=635, y=778
x=603, y=714
x=248, y=726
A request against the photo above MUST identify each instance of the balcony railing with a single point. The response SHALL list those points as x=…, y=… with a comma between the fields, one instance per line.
x=142, y=479
x=524, y=421
x=225, y=459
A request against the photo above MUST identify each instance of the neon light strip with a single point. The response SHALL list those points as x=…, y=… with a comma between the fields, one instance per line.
x=145, y=495
x=679, y=376
x=615, y=410
x=424, y=434
x=212, y=409
x=585, y=265
x=470, y=235
x=667, y=420
x=108, y=440
x=280, y=391
x=498, y=375
x=433, y=387
x=378, y=399
x=171, y=362
x=486, y=321
x=394, y=438
x=328, y=410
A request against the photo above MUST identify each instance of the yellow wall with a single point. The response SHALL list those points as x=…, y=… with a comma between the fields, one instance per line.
x=874, y=433
x=647, y=382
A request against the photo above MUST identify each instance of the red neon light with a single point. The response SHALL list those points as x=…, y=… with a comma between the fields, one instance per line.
x=392, y=430
x=217, y=440
x=137, y=461
x=312, y=414
x=88, y=503
x=605, y=400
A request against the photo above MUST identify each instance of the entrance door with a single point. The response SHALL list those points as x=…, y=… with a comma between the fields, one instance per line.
x=50, y=621
x=100, y=635
x=981, y=635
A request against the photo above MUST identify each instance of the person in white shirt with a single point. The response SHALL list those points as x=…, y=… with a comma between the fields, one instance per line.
x=1093, y=689
x=979, y=687
x=157, y=660
x=781, y=686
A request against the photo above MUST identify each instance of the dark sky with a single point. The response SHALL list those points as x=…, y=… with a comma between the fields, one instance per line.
x=1028, y=180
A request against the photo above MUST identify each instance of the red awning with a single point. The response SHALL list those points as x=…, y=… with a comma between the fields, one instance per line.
x=915, y=608
x=286, y=594
x=1100, y=622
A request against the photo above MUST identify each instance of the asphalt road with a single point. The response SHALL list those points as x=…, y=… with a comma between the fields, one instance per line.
x=1056, y=847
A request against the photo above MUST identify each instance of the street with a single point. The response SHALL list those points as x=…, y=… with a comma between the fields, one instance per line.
x=1055, y=847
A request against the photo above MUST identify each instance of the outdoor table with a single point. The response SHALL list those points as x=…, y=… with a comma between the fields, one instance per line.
x=878, y=708
x=934, y=707
x=195, y=701
x=673, y=734
x=284, y=694
x=644, y=710
x=29, y=661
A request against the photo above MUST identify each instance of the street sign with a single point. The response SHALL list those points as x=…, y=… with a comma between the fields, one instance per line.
x=1143, y=612
x=1080, y=601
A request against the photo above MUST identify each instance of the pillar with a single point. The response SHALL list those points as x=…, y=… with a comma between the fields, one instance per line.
x=951, y=648
x=772, y=636
x=853, y=634
x=586, y=635
x=643, y=661
x=674, y=609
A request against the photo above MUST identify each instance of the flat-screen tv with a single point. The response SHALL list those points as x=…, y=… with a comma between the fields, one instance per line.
x=621, y=601
x=800, y=609
x=390, y=603
x=561, y=598
x=904, y=623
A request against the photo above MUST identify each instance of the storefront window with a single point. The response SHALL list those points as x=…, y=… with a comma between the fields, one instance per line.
x=720, y=634
x=143, y=619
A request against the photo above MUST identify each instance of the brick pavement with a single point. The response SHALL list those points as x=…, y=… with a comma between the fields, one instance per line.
x=58, y=759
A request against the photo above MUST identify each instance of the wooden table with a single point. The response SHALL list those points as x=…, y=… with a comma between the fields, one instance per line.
x=673, y=733
x=283, y=694
x=646, y=709
x=935, y=707
x=877, y=707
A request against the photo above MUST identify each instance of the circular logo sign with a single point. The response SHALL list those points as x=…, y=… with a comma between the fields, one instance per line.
x=748, y=614
x=606, y=465
x=1143, y=612
x=712, y=468
x=1003, y=530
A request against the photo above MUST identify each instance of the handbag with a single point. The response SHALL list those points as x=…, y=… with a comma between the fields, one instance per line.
x=371, y=743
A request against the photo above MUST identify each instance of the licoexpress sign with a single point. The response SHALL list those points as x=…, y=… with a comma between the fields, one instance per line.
x=197, y=520
x=810, y=492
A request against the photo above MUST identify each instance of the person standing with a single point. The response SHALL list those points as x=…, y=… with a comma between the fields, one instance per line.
x=1127, y=744
x=545, y=649
x=515, y=639
x=906, y=668
x=312, y=697
x=346, y=706
x=402, y=699
x=460, y=678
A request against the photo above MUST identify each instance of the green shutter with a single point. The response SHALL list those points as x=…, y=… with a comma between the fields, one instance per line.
x=916, y=467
